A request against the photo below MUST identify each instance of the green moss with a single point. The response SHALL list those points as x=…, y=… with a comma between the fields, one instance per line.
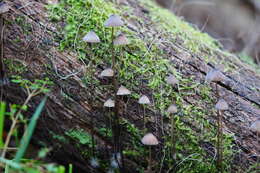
x=80, y=135
x=58, y=137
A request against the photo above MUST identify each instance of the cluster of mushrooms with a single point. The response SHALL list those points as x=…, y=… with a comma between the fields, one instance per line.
x=149, y=139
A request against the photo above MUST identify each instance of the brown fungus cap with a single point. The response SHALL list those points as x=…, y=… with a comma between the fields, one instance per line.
x=120, y=40
x=107, y=73
x=171, y=80
x=114, y=21
x=4, y=7
x=109, y=103
x=256, y=126
x=123, y=91
x=91, y=37
x=214, y=76
x=144, y=100
x=221, y=105
x=172, y=109
x=149, y=139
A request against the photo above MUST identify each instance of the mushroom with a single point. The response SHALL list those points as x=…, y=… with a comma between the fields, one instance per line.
x=123, y=91
x=214, y=76
x=109, y=103
x=120, y=40
x=172, y=80
x=144, y=100
x=221, y=106
x=114, y=21
x=255, y=126
x=150, y=140
x=91, y=37
x=172, y=109
x=108, y=72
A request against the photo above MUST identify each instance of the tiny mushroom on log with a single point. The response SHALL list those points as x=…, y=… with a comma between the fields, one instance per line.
x=120, y=40
x=172, y=109
x=150, y=140
x=144, y=100
x=108, y=72
x=221, y=106
x=123, y=91
x=109, y=103
x=91, y=37
x=215, y=76
x=171, y=80
x=255, y=126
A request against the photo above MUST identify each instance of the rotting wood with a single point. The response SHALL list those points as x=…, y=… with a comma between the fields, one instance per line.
x=63, y=114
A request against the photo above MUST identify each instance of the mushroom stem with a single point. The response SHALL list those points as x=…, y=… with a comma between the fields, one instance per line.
x=144, y=118
x=92, y=137
x=173, y=136
x=219, y=143
x=150, y=159
x=257, y=140
x=116, y=108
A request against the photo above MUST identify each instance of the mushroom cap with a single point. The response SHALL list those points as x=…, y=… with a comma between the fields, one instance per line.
x=113, y=21
x=172, y=80
x=107, y=73
x=256, y=126
x=109, y=103
x=172, y=109
x=214, y=76
x=144, y=100
x=123, y=91
x=120, y=40
x=91, y=37
x=149, y=139
x=221, y=105
x=4, y=7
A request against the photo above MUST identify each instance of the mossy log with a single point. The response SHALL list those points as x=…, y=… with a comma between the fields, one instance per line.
x=161, y=44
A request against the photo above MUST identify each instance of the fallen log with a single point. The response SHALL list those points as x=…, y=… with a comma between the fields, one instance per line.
x=45, y=41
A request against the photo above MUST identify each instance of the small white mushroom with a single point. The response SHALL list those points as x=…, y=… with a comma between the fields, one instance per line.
x=109, y=103
x=150, y=139
x=114, y=21
x=144, y=100
x=171, y=80
x=120, y=40
x=107, y=73
x=221, y=105
x=256, y=126
x=91, y=37
x=214, y=76
x=123, y=91
x=172, y=109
